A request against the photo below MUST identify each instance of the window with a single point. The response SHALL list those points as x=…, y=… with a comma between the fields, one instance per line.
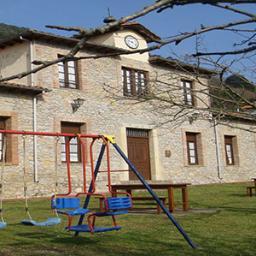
x=134, y=82
x=187, y=92
x=229, y=149
x=7, y=139
x=192, y=148
x=75, y=148
x=68, y=77
x=10, y=140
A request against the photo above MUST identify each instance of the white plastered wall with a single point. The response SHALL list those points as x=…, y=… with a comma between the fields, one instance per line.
x=14, y=60
x=117, y=39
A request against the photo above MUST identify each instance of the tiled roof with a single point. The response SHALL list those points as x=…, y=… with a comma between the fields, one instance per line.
x=178, y=65
x=55, y=39
x=139, y=28
x=246, y=116
x=18, y=88
x=136, y=27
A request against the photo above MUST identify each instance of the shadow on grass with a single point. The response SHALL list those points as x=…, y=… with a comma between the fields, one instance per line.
x=122, y=245
x=64, y=238
x=240, y=195
x=212, y=246
x=238, y=209
x=129, y=243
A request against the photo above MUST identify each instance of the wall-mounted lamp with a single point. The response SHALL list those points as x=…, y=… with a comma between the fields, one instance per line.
x=76, y=104
x=193, y=117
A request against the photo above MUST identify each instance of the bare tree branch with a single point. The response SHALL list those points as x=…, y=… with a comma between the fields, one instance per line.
x=228, y=7
x=187, y=2
x=77, y=29
x=241, y=51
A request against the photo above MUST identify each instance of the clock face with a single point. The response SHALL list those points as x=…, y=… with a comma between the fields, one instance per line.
x=131, y=42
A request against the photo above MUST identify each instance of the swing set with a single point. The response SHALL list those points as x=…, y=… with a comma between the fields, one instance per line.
x=69, y=204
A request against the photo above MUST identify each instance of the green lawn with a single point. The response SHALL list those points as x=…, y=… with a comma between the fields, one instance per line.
x=225, y=226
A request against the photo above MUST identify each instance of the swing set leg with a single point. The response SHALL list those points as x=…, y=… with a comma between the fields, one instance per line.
x=154, y=195
x=143, y=181
x=114, y=221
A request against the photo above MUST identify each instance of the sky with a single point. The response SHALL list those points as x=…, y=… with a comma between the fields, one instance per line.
x=89, y=14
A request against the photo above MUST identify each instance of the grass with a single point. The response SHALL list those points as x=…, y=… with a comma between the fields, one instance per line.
x=227, y=226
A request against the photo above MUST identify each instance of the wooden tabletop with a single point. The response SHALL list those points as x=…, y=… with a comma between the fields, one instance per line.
x=153, y=184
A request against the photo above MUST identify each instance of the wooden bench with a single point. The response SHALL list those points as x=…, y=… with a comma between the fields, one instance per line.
x=147, y=198
x=139, y=198
x=250, y=189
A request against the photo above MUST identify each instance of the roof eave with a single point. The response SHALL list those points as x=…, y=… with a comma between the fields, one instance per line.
x=35, y=35
x=23, y=89
x=146, y=33
x=174, y=64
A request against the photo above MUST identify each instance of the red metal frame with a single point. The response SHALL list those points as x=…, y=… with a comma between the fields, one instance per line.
x=53, y=134
x=82, y=142
x=80, y=138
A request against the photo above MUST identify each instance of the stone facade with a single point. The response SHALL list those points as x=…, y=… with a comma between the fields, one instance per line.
x=101, y=114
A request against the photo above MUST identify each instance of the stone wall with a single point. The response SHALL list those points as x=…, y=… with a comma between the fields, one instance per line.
x=103, y=114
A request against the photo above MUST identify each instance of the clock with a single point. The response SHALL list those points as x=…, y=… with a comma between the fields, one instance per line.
x=131, y=42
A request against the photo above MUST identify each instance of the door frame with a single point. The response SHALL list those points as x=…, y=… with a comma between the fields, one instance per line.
x=146, y=139
x=154, y=149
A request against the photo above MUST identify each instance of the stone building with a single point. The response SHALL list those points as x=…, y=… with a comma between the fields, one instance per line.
x=194, y=151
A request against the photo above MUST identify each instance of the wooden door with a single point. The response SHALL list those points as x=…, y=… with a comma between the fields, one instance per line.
x=138, y=152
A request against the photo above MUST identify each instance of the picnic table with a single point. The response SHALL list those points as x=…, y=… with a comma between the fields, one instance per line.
x=157, y=185
x=249, y=189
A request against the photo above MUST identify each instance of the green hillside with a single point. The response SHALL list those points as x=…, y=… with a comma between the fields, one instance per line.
x=10, y=31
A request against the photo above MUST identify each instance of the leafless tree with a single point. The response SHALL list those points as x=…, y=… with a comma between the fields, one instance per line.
x=227, y=99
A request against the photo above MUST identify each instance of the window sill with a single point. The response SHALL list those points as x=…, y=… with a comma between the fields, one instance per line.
x=232, y=165
x=71, y=162
x=9, y=164
x=69, y=88
x=194, y=165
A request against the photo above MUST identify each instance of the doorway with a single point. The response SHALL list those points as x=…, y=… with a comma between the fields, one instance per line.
x=139, y=152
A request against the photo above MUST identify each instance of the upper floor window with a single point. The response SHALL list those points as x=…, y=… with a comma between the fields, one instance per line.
x=187, y=87
x=68, y=76
x=134, y=82
x=74, y=148
x=229, y=149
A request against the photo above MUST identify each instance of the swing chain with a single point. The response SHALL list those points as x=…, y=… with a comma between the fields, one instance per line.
x=2, y=176
x=24, y=177
x=56, y=172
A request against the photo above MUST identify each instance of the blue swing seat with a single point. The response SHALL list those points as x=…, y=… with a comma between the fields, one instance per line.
x=68, y=206
x=3, y=225
x=114, y=206
x=48, y=222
